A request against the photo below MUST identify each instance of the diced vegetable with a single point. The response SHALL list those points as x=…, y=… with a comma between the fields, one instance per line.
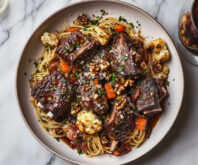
x=136, y=94
x=116, y=153
x=119, y=28
x=96, y=81
x=64, y=67
x=73, y=79
x=109, y=91
x=141, y=123
x=71, y=29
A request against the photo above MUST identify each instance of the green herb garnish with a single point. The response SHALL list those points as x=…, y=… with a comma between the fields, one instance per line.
x=79, y=152
x=47, y=47
x=100, y=92
x=95, y=22
x=122, y=68
x=103, y=117
x=122, y=19
x=57, y=139
x=53, y=88
x=38, y=71
x=145, y=72
x=103, y=12
x=113, y=77
x=167, y=83
x=35, y=64
x=66, y=50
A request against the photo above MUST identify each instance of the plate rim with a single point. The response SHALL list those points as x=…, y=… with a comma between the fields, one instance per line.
x=63, y=8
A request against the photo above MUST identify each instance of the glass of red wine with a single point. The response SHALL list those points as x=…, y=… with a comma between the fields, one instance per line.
x=188, y=31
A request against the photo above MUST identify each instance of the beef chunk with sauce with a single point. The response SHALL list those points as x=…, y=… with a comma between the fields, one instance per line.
x=148, y=102
x=126, y=55
x=54, y=94
x=121, y=121
x=93, y=98
x=75, y=46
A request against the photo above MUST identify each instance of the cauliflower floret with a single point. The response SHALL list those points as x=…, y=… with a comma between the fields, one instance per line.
x=159, y=49
x=163, y=74
x=88, y=122
x=98, y=33
x=49, y=39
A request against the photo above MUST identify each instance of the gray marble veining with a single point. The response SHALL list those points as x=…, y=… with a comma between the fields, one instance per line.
x=17, y=145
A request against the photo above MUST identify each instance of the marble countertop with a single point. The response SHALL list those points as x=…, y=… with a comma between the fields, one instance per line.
x=18, y=146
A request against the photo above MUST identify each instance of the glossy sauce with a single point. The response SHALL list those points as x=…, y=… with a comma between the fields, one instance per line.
x=153, y=120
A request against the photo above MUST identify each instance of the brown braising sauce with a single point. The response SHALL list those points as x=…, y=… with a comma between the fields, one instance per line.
x=153, y=120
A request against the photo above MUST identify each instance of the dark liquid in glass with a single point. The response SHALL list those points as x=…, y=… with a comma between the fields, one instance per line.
x=189, y=28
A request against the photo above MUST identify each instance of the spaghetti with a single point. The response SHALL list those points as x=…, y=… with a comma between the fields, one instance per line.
x=74, y=102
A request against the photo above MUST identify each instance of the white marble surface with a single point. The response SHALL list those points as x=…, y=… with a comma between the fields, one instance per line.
x=17, y=145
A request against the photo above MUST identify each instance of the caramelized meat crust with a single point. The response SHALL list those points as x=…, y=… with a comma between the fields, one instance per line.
x=126, y=55
x=54, y=94
x=76, y=46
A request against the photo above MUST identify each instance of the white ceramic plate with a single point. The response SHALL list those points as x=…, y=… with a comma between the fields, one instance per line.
x=149, y=28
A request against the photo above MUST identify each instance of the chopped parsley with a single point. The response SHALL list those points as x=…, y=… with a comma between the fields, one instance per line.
x=131, y=24
x=35, y=64
x=103, y=117
x=38, y=71
x=173, y=79
x=66, y=50
x=145, y=72
x=42, y=58
x=63, y=80
x=53, y=88
x=79, y=152
x=47, y=47
x=57, y=139
x=100, y=92
x=76, y=45
x=122, y=19
x=103, y=12
x=113, y=77
x=47, y=129
x=122, y=68
x=76, y=76
x=167, y=83
x=95, y=22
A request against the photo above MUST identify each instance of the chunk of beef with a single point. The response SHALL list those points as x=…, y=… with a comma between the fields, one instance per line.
x=83, y=19
x=126, y=55
x=148, y=102
x=121, y=121
x=54, y=94
x=93, y=98
x=75, y=46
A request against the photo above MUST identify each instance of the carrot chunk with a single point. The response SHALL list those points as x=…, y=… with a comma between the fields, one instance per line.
x=119, y=28
x=109, y=91
x=71, y=29
x=64, y=67
x=96, y=81
x=116, y=153
x=141, y=123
